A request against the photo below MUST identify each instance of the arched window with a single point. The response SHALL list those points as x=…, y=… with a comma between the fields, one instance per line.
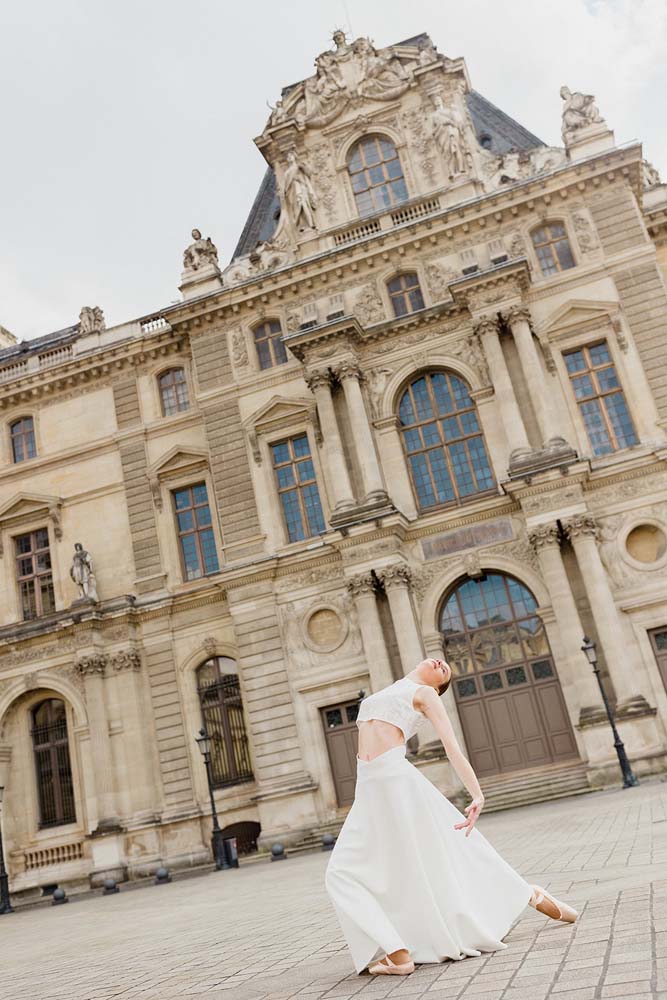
x=222, y=715
x=268, y=342
x=173, y=391
x=376, y=174
x=443, y=441
x=55, y=790
x=405, y=294
x=22, y=434
x=552, y=248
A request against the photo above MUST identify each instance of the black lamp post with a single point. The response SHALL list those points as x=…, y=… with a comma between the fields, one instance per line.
x=5, y=901
x=217, y=843
x=629, y=779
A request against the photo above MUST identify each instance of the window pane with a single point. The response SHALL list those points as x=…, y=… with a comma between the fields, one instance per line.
x=301, y=446
x=190, y=557
x=620, y=420
x=182, y=499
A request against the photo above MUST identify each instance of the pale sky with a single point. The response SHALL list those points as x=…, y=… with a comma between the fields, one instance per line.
x=126, y=123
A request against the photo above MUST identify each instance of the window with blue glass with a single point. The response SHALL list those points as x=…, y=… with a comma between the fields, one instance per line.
x=552, y=248
x=376, y=175
x=195, y=532
x=600, y=398
x=297, y=488
x=405, y=294
x=22, y=434
x=443, y=441
x=269, y=344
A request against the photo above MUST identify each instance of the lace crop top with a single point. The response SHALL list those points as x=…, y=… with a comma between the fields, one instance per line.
x=393, y=704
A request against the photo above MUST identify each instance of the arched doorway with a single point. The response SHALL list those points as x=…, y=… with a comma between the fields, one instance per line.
x=505, y=683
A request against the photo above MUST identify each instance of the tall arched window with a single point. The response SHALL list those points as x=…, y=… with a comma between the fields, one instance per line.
x=222, y=714
x=376, y=174
x=55, y=790
x=268, y=342
x=443, y=441
x=552, y=248
x=405, y=294
x=22, y=434
x=173, y=391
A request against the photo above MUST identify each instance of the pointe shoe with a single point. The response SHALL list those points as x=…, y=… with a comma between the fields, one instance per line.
x=546, y=903
x=390, y=968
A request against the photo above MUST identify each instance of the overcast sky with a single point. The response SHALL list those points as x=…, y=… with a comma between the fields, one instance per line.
x=126, y=123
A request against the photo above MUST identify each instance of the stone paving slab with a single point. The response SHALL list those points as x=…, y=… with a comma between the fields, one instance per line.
x=267, y=931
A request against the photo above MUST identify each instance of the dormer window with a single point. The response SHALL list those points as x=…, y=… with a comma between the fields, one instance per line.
x=405, y=294
x=376, y=174
x=552, y=248
x=22, y=434
x=268, y=342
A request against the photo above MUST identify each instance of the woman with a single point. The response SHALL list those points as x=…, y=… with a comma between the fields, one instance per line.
x=405, y=882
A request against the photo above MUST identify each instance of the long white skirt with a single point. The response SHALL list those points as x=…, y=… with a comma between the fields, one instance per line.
x=401, y=876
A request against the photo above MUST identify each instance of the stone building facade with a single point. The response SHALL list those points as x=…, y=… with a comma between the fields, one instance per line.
x=423, y=408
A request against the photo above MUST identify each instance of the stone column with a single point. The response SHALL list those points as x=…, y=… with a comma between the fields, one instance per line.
x=93, y=667
x=362, y=589
x=435, y=646
x=349, y=375
x=396, y=581
x=486, y=327
x=518, y=319
x=620, y=657
x=140, y=787
x=579, y=677
x=319, y=383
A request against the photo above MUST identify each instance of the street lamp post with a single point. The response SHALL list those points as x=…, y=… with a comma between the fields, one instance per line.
x=5, y=901
x=629, y=778
x=217, y=842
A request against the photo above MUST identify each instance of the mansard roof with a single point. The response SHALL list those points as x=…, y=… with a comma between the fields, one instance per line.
x=49, y=340
x=501, y=133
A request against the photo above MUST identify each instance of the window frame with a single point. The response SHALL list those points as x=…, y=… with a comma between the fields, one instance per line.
x=35, y=576
x=547, y=223
x=23, y=436
x=404, y=292
x=65, y=818
x=158, y=378
x=243, y=775
x=318, y=479
x=270, y=340
x=190, y=485
x=583, y=343
x=459, y=500
x=386, y=181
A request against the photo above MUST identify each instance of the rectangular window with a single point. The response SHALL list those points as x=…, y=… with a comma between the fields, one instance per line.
x=297, y=488
x=600, y=398
x=33, y=573
x=195, y=531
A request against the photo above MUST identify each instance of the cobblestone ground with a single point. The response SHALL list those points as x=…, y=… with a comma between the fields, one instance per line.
x=267, y=932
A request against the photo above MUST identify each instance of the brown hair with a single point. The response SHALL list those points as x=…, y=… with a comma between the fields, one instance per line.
x=443, y=687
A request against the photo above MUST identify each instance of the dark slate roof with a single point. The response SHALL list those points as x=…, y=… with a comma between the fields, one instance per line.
x=38, y=344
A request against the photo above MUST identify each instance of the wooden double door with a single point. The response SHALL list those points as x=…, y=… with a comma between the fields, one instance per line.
x=506, y=687
x=341, y=733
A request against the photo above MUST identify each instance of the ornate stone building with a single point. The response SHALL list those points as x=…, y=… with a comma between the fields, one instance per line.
x=424, y=407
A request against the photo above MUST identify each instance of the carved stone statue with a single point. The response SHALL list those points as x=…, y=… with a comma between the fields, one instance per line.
x=81, y=571
x=427, y=53
x=298, y=197
x=382, y=74
x=579, y=111
x=340, y=41
x=91, y=319
x=201, y=253
x=447, y=130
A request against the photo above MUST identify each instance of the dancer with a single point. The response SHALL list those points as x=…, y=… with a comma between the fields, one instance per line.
x=410, y=877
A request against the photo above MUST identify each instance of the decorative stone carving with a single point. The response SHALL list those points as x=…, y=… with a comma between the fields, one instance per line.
x=398, y=575
x=517, y=247
x=156, y=492
x=471, y=351
x=438, y=280
x=239, y=349
x=348, y=369
x=586, y=237
x=320, y=161
x=210, y=645
x=421, y=141
x=362, y=583
x=551, y=500
x=92, y=663
x=581, y=524
x=447, y=128
x=522, y=551
x=549, y=359
x=126, y=659
x=485, y=324
x=543, y=535
x=14, y=657
x=317, y=377
x=376, y=380
x=610, y=554
x=579, y=111
x=383, y=75
x=91, y=320
x=54, y=515
x=427, y=53
x=81, y=572
x=472, y=565
x=650, y=176
x=368, y=307
x=201, y=253
x=297, y=199
x=517, y=313
x=621, y=339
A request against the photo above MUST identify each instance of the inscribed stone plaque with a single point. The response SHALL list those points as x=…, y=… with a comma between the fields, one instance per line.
x=325, y=628
x=470, y=537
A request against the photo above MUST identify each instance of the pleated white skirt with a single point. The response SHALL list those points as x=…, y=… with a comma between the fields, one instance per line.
x=401, y=876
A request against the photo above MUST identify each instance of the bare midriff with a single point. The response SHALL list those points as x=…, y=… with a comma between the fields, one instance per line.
x=376, y=737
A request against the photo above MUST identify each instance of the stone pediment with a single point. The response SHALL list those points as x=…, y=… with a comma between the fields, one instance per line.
x=23, y=506
x=575, y=315
x=279, y=412
x=176, y=461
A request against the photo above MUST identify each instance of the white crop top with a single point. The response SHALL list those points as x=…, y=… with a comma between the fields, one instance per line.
x=393, y=704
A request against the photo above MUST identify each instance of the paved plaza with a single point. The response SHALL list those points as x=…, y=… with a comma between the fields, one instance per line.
x=267, y=931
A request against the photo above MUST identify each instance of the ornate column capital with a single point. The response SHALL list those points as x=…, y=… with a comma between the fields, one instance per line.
x=485, y=324
x=516, y=314
x=361, y=584
x=398, y=575
x=92, y=663
x=581, y=525
x=126, y=659
x=317, y=377
x=544, y=536
x=348, y=369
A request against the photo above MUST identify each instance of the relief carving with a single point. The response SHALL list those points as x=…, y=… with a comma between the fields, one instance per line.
x=239, y=349
x=368, y=306
x=585, y=233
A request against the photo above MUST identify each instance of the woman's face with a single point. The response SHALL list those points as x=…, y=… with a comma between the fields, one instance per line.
x=435, y=672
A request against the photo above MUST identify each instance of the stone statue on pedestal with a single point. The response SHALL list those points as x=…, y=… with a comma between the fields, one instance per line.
x=447, y=130
x=297, y=204
x=579, y=111
x=81, y=571
x=91, y=319
x=201, y=253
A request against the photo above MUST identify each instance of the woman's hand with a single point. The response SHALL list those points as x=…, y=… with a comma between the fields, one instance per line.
x=472, y=811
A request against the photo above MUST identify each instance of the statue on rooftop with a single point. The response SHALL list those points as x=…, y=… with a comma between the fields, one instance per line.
x=579, y=111
x=91, y=319
x=201, y=253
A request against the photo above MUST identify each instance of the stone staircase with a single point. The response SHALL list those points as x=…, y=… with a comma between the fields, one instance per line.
x=539, y=784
